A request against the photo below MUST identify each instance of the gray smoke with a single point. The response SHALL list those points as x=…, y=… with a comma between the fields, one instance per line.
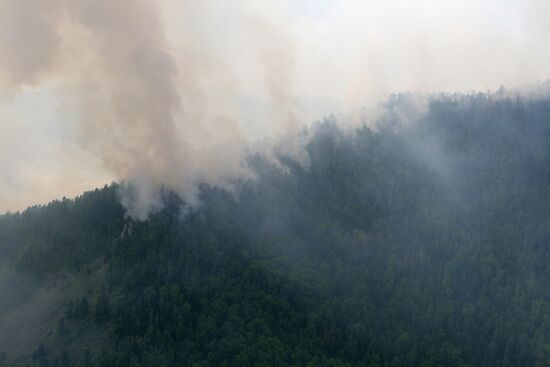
x=151, y=87
x=121, y=78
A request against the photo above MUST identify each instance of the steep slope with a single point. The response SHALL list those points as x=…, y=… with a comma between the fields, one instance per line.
x=53, y=256
x=423, y=242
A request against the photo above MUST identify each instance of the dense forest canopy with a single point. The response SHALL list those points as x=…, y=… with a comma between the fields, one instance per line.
x=420, y=241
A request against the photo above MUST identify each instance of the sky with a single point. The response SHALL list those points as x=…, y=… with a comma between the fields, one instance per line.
x=169, y=92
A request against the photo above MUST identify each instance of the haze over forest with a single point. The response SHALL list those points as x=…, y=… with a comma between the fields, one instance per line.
x=97, y=92
x=274, y=183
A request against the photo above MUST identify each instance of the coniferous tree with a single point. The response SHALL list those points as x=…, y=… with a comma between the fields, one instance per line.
x=102, y=307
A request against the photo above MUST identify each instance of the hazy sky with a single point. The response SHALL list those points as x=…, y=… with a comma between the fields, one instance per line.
x=240, y=70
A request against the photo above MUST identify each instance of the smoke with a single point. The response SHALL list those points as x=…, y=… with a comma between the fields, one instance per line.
x=151, y=89
x=29, y=40
x=275, y=52
x=122, y=88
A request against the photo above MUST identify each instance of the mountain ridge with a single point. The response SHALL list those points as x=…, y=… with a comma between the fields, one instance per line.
x=419, y=242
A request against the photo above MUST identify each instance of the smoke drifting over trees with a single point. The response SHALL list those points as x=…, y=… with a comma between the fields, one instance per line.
x=151, y=88
x=114, y=55
x=421, y=241
x=247, y=225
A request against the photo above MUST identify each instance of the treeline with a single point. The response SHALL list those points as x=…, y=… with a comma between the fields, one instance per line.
x=420, y=242
x=80, y=229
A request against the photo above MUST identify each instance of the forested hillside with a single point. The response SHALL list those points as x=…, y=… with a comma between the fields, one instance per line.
x=421, y=241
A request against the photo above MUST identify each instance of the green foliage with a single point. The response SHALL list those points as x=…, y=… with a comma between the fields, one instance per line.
x=414, y=244
x=77, y=310
x=101, y=313
x=35, y=238
x=87, y=359
x=61, y=327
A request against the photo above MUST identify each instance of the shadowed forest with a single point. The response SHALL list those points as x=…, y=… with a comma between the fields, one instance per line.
x=422, y=240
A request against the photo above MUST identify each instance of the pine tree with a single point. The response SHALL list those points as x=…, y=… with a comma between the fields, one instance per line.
x=102, y=307
x=87, y=358
x=84, y=308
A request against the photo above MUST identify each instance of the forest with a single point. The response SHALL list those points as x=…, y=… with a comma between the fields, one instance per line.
x=422, y=239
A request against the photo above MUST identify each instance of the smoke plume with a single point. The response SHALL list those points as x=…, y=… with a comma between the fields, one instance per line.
x=114, y=59
x=150, y=92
